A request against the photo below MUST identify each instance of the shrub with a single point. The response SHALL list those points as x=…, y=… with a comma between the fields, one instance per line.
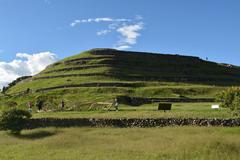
x=14, y=120
x=230, y=98
x=46, y=102
x=11, y=104
x=40, y=103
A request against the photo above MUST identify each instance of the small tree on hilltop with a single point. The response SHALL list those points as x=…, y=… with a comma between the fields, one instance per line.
x=4, y=90
x=230, y=98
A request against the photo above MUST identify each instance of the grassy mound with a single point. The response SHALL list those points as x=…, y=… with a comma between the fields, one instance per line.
x=103, y=74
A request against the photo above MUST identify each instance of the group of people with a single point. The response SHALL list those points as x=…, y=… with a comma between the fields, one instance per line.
x=40, y=106
x=62, y=105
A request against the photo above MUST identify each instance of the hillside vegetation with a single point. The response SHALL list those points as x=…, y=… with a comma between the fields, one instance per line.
x=103, y=74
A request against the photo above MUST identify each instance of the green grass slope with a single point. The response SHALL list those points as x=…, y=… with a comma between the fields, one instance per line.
x=102, y=74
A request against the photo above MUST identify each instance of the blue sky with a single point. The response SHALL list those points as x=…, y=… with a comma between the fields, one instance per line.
x=204, y=28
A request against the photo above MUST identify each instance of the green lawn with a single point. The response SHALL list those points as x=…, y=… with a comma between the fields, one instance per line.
x=123, y=144
x=179, y=110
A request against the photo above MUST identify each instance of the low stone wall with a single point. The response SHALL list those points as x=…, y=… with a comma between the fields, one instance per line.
x=137, y=101
x=100, y=84
x=161, y=122
x=85, y=59
x=71, y=75
x=75, y=68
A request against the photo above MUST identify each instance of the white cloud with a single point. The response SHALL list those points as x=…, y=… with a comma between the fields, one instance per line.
x=113, y=26
x=103, y=32
x=128, y=29
x=122, y=47
x=138, y=17
x=105, y=19
x=97, y=20
x=129, y=34
x=102, y=20
x=24, y=65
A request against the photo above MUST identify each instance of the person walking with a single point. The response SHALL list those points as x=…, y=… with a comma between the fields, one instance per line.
x=29, y=106
x=116, y=104
x=62, y=104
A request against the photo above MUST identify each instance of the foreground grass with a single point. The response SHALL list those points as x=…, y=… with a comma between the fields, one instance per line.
x=179, y=110
x=122, y=144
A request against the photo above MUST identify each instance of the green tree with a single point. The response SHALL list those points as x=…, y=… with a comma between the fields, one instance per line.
x=14, y=120
x=230, y=98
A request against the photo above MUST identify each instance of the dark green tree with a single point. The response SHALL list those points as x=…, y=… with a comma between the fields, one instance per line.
x=14, y=120
x=230, y=98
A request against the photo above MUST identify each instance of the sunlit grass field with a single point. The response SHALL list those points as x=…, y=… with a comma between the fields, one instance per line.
x=179, y=110
x=214, y=143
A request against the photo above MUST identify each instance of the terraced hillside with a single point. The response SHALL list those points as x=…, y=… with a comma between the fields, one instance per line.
x=102, y=74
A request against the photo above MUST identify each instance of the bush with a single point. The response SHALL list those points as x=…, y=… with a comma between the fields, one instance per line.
x=11, y=104
x=14, y=120
x=230, y=98
x=46, y=102
x=40, y=103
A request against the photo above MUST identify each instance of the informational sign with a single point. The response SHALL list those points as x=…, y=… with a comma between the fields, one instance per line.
x=215, y=106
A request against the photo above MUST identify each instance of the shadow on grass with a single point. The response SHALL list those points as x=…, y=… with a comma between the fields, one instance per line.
x=36, y=135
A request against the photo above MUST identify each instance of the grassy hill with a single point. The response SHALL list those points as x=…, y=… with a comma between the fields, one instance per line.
x=103, y=74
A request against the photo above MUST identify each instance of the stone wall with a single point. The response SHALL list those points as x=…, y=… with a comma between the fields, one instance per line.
x=137, y=101
x=100, y=84
x=161, y=122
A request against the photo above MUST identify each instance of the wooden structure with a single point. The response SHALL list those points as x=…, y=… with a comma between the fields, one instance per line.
x=101, y=105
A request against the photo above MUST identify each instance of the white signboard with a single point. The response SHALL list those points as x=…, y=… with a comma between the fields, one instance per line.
x=215, y=106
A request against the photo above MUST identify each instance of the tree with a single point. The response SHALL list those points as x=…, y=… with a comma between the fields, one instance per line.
x=230, y=98
x=4, y=90
x=14, y=120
